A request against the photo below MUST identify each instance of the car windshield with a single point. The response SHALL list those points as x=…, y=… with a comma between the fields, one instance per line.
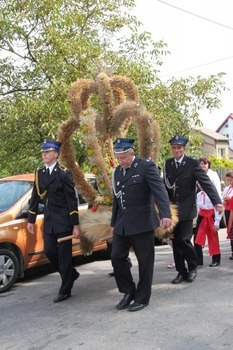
x=11, y=192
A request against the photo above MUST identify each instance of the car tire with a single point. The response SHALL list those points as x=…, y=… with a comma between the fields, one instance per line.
x=9, y=269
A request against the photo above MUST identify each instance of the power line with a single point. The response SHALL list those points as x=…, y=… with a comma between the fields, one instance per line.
x=201, y=65
x=193, y=14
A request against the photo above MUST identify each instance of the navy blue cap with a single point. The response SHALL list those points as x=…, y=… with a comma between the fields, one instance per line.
x=122, y=145
x=178, y=140
x=50, y=145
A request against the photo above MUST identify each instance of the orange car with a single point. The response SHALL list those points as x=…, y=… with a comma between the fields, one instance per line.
x=20, y=250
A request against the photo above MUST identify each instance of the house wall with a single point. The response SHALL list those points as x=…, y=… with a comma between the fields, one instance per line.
x=227, y=130
x=219, y=148
x=215, y=147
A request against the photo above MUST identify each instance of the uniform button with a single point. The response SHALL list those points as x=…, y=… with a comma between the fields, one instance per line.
x=123, y=186
x=123, y=193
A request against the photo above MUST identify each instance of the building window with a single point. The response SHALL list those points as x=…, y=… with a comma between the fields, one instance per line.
x=221, y=152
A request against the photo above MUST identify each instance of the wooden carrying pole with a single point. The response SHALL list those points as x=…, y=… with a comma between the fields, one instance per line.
x=62, y=239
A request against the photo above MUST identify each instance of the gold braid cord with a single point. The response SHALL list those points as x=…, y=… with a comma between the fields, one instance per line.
x=37, y=186
x=120, y=107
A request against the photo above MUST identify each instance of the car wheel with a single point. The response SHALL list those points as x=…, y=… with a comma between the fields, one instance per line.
x=9, y=269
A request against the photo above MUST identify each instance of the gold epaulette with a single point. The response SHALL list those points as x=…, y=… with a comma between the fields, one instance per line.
x=63, y=168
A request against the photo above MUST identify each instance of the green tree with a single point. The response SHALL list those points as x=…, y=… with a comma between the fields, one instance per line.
x=46, y=45
x=176, y=105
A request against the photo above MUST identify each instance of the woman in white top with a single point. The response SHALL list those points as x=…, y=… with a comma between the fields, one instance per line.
x=208, y=222
x=205, y=163
x=226, y=196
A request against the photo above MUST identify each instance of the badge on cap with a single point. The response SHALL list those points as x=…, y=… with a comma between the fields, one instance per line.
x=178, y=140
x=122, y=145
x=50, y=145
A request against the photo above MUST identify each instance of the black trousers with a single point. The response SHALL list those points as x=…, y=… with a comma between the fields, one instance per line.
x=143, y=246
x=183, y=249
x=60, y=255
x=198, y=248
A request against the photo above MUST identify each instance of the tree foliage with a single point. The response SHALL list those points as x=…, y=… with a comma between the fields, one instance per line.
x=46, y=45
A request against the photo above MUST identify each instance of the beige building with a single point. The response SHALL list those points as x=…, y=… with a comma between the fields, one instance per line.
x=215, y=143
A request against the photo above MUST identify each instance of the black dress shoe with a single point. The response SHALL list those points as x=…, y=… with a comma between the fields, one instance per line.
x=111, y=274
x=214, y=264
x=136, y=306
x=231, y=258
x=61, y=297
x=179, y=278
x=192, y=275
x=125, y=301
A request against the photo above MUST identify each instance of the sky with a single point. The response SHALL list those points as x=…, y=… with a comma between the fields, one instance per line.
x=199, y=35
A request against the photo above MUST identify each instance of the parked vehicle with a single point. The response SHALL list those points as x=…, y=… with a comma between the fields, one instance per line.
x=20, y=250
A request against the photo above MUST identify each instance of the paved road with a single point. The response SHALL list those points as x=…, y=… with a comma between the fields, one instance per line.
x=195, y=316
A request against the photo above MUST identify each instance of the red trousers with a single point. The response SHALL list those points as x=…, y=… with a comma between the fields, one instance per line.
x=206, y=229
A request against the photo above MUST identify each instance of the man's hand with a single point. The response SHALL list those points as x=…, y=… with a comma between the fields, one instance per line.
x=76, y=231
x=165, y=223
x=31, y=228
x=219, y=208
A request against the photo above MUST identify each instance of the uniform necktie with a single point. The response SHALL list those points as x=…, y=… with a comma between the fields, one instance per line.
x=125, y=171
x=47, y=176
x=177, y=165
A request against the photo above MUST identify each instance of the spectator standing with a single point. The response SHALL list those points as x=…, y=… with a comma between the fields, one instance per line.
x=203, y=206
x=208, y=222
x=227, y=196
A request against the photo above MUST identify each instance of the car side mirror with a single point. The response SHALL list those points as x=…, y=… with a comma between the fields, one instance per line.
x=24, y=213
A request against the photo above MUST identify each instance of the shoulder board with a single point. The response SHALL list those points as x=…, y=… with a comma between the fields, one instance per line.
x=63, y=168
x=192, y=158
x=146, y=159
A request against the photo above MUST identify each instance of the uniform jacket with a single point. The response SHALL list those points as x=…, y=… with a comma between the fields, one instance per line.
x=181, y=186
x=59, y=199
x=138, y=191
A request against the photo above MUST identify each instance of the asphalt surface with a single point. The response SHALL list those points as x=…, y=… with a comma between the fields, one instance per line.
x=190, y=316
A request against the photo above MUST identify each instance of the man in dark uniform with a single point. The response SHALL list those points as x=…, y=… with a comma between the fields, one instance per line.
x=137, y=188
x=181, y=174
x=53, y=183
